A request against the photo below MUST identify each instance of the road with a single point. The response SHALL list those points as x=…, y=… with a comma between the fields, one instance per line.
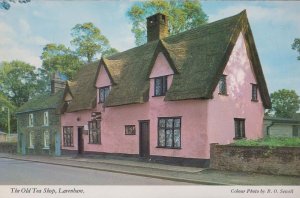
x=17, y=172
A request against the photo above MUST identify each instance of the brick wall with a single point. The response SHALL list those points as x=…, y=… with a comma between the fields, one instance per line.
x=38, y=129
x=279, y=161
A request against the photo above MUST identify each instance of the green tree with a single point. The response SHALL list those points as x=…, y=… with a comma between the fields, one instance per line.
x=88, y=41
x=296, y=46
x=5, y=4
x=57, y=57
x=20, y=82
x=182, y=15
x=5, y=103
x=285, y=103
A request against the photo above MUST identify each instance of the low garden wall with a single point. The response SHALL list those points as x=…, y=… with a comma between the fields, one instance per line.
x=8, y=147
x=279, y=160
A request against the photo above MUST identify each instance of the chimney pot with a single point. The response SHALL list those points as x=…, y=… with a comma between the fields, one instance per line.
x=157, y=27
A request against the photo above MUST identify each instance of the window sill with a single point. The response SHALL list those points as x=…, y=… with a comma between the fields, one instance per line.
x=254, y=100
x=223, y=94
x=68, y=146
x=168, y=147
x=31, y=147
x=158, y=96
x=95, y=143
x=46, y=148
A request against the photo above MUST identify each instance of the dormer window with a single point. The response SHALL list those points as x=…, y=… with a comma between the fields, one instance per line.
x=222, y=85
x=103, y=93
x=160, y=86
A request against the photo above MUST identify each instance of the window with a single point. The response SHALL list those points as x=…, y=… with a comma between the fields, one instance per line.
x=94, y=132
x=68, y=136
x=30, y=123
x=160, y=86
x=222, y=85
x=169, y=132
x=129, y=129
x=31, y=139
x=46, y=119
x=103, y=93
x=239, y=124
x=254, y=92
x=46, y=139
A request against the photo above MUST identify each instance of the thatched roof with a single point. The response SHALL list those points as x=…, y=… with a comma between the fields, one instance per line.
x=42, y=102
x=83, y=91
x=198, y=58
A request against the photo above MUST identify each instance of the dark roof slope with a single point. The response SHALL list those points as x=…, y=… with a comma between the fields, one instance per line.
x=198, y=56
x=83, y=89
x=42, y=102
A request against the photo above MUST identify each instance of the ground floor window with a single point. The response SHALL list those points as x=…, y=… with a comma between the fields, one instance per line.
x=46, y=139
x=31, y=139
x=94, y=132
x=68, y=136
x=169, y=132
x=239, y=124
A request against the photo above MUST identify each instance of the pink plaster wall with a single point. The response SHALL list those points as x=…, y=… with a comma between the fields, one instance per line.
x=223, y=109
x=103, y=78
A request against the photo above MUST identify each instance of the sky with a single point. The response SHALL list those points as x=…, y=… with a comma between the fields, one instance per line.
x=26, y=28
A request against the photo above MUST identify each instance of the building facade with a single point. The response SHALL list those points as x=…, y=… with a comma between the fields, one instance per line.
x=170, y=98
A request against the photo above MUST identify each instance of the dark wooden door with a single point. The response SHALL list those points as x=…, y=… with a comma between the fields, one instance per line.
x=80, y=140
x=144, y=139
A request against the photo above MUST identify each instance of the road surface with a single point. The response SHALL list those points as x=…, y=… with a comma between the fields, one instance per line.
x=17, y=172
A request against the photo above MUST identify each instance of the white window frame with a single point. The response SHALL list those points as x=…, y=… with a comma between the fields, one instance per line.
x=46, y=118
x=46, y=143
x=30, y=120
x=31, y=139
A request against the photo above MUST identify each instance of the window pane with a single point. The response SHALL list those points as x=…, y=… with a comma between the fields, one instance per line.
x=169, y=123
x=169, y=138
x=177, y=138
x=176, y=123
x=158, y=87
x=162, y=123
x=161, y=137
x=102, y=95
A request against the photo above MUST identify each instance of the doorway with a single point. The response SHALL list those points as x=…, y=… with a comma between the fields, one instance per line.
x=144, y=139
x=80, y=140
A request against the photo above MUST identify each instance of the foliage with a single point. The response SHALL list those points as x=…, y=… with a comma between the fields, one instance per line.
x=57, y=57
x=285, y=103
x=182, y=16
x=270, y=142
x=5, y=4
x=88, y=41
x=5, y=103
x=296, y=46
x=20, y=82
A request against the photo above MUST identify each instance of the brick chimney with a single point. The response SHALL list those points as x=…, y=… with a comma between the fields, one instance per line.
x=57, y=83
x=157, y=27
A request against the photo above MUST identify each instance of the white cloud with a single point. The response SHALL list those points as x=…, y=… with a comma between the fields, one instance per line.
x=24, y=26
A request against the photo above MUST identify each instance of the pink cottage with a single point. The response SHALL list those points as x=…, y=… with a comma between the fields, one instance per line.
x=170, y=98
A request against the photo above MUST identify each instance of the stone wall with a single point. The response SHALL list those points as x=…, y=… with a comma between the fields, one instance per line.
x=279, y=161
x=8, y=147
x=38, y=129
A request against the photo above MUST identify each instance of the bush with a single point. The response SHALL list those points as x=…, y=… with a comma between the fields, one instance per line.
x=270, y=142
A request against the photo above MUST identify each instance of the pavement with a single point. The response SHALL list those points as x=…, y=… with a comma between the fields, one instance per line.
x=191, y=175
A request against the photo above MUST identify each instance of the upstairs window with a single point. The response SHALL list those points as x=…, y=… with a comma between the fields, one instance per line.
x=160, y=86
x=254, y=92
x=103, y=93
x=222, y=85
x=239, y=125
x=46, y=119
x=30, y=120
x=94, y=132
